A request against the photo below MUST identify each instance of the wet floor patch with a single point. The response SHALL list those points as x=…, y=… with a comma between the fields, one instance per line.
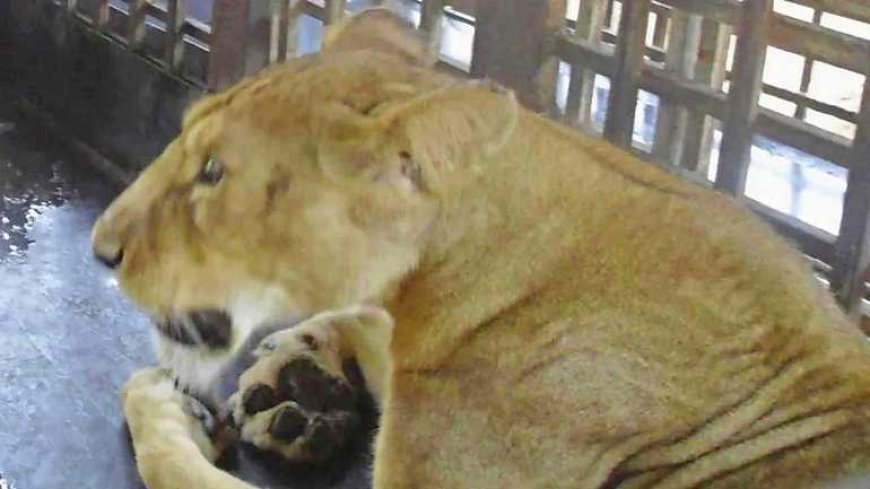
x=69, y=338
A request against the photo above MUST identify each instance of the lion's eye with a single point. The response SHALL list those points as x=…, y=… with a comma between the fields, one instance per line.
x=212, y=172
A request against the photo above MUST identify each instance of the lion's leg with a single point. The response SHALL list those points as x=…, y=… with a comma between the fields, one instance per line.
x=297, y=400
x=172, y=446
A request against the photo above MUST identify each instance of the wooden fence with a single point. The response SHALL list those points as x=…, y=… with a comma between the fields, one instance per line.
x=677, y=50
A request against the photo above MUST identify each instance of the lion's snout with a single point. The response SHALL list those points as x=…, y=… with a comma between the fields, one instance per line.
x=106, y=245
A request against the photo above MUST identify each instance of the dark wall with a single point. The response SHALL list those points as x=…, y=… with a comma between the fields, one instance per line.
x=109, y=98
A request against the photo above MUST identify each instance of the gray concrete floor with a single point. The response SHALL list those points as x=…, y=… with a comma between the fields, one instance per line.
x=69, y=338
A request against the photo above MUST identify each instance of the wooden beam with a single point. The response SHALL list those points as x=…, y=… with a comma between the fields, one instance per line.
x=853, y=245
x=512, y=43
x=855, y=9
x=822, y=44
x=739, y=124
x=619, y=126
x=241, y=40
x=724, y=11
x=805, y=137
x=684, y=41
x=710, y=69
x=175, y=20
x=431, y=19
x=590, y=22
x=333, y=11
x=136, y=28
x=101, y=17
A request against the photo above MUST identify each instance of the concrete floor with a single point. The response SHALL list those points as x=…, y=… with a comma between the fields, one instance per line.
x=69, y=339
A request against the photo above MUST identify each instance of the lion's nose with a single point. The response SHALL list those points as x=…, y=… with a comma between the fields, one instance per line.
x=105, y=244
x=112, y=260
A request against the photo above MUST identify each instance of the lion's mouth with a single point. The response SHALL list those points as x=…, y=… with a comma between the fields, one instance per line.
x=208, y=328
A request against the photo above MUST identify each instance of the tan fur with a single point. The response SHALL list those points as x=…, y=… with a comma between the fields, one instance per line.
x=565, y=316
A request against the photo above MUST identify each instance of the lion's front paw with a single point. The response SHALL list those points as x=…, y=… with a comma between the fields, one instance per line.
x=296, y=400
x=161, y=417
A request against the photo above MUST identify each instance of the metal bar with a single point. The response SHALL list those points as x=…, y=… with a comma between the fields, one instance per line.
x=136, y=28
x=739, y=123
x=853, y=245
x=175, y=19
x=619, y=126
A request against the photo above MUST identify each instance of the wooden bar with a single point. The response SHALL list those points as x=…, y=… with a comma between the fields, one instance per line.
x=819, y=43
x=805, y=137
x=176, y=11
x=227, y=57
x=724, y=11
x=333, y=11
x=590, y=22
x=853, y=245
x=136, y=28
x=855, y=9
x=511, y=45
x=739, y=124
x=709, y=100
x=710, y=71
x=431, y=18
x=619, y=126
x=801, y=100
x=806, y=74
x=101, y=19
x=280, y=32
x=682, y=55
x=660, y=29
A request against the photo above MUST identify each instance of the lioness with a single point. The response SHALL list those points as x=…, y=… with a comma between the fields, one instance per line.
x=558, y=314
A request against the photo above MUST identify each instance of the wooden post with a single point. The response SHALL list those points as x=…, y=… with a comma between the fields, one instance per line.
x=710, y=70
x=590, y=21
x=431, y=17
x=630, y=49
x=807, y=74
x=681, y=57
x=176, y=15
x=136, y=28
x=333, y=11
x=101, y=17
x=739, y=124
x=853, y=243
x=512, y=43
x=241, y=40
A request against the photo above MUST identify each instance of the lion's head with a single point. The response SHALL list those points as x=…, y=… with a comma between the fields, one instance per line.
x=314, y=185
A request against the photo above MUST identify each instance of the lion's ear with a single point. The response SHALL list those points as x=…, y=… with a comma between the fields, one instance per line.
x=380, y=30
x=453, y=127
